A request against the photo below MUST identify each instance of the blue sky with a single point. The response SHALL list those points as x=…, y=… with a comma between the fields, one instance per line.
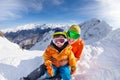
x=15, y=13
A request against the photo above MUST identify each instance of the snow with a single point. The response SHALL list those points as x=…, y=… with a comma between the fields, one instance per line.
x=100, y=59
x=15, y=62
x=114, y=36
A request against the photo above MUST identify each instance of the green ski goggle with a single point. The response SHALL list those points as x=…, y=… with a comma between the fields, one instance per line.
x=73, y=34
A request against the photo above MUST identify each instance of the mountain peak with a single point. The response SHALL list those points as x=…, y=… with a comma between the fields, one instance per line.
x=94, y=30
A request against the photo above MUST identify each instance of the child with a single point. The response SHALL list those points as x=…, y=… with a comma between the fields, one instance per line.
x=75, y=41
x=60, y=51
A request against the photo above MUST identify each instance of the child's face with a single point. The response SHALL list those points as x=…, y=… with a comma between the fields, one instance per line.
x=59, y=40
x=73, y=36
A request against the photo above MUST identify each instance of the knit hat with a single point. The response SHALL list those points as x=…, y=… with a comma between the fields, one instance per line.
x=59, y=31
x=75, y=28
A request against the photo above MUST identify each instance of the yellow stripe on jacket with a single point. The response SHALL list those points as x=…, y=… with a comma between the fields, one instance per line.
x=66, y=53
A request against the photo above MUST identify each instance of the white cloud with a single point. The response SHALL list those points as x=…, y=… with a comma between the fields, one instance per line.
x=110, y=10
x=89, y=9
x=10, y=9
x=6, y=9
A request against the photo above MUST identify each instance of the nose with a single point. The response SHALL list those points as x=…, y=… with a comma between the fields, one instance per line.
x=58, y=42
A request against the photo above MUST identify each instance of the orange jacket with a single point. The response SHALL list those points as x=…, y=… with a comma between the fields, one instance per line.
x=77, y=48
x=65, y=54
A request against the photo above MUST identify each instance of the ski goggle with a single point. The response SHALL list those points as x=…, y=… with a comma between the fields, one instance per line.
x=61, y=40
x=73, y=34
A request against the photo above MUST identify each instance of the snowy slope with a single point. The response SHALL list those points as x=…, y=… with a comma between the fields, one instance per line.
x=100, y=61
x=15, y=62
x=114, y=36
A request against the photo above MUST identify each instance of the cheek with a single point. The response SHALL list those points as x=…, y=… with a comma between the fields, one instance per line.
x=71, y=40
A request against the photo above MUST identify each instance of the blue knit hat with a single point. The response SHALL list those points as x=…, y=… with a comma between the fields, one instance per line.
x=59, y=31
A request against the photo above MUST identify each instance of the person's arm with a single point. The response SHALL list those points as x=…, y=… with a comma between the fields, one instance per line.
x=79, y=50
x=47, y=55
x=72, y=62
x=48, y=62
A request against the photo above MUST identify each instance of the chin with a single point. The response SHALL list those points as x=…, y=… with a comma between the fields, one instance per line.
x=59, y=46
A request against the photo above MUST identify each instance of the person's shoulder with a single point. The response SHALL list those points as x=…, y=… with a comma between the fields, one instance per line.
x=49, y=47
x=80, y=41
x=68, y=47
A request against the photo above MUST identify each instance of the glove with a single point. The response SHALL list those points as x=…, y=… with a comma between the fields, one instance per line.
x=50, y=71
x=49, y=68
x=73, y=69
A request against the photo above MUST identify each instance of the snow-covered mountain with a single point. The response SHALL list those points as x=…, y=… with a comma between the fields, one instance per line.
x=32, y=26
x=28, y=35
x=33, y=35
x=100, y=59
x=94, y=30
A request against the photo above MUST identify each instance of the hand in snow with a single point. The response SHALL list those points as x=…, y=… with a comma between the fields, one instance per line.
x=73, y=69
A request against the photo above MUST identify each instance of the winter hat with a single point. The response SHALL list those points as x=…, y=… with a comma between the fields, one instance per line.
x=75, y=28
x=59, y=31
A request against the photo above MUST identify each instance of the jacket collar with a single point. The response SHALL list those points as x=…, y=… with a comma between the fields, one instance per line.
x=57, y=48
